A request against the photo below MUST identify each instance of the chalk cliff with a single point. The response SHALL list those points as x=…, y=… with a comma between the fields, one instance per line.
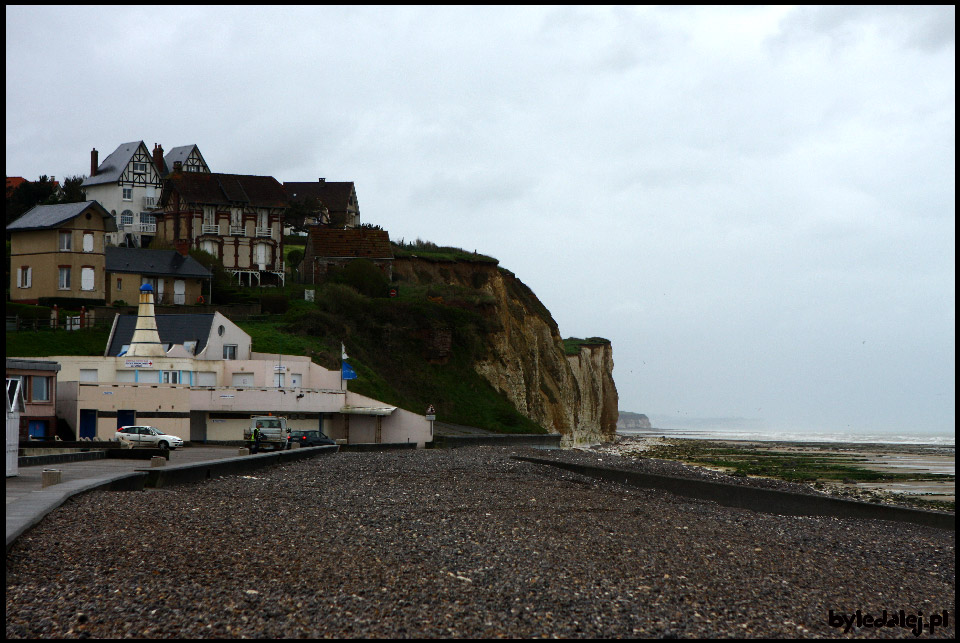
x=572, y=394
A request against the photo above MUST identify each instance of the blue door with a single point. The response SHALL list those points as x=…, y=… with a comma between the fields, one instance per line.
x=38, y=429
x=88, y=423
x=126, y=418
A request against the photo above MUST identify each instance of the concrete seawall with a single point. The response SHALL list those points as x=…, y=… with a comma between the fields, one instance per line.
x=158, y=477
x=551, y=440
x=758, y=499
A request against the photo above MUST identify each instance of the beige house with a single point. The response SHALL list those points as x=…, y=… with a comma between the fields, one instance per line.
x=176, y=278
x=199, y=379
x=38, y=383
x=57, y=251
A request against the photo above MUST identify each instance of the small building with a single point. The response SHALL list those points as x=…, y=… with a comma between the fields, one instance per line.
x=176, y=278
x=336, y=201
x=38, y=385
x=328, y=248
x=58, y=251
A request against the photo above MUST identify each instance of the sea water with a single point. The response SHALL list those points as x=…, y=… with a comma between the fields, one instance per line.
x=931, y=439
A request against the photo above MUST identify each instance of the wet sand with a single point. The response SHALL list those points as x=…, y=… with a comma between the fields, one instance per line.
x=884, y=458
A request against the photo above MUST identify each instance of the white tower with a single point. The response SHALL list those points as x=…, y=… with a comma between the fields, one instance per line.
x=146, y=339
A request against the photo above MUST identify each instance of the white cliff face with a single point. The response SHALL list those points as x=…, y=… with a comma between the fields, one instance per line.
x=572, y=395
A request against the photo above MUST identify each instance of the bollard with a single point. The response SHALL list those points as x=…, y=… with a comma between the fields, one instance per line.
x=244, y=451
x=51, y=477
x=158, y=461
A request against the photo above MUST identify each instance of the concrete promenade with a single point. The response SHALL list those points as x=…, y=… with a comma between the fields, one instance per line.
x=27, y=502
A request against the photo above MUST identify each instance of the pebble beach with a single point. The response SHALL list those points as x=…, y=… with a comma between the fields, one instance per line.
x=461, y=543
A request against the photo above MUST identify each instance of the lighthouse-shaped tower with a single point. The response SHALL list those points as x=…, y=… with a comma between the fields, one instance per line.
x=146, y=338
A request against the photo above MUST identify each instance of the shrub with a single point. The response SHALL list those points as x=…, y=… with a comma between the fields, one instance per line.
x=271, y=304
x=365, y=277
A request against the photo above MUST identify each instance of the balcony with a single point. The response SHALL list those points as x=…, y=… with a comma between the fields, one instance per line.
x=263, y=232
x=150, y=202
x=138, y=228
x=237, y=231
x=209, y=229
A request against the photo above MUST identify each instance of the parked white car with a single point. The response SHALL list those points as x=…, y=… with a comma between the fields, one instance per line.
x=148, y=436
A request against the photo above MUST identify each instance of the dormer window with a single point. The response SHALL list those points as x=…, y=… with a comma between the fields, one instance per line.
x=140, y=168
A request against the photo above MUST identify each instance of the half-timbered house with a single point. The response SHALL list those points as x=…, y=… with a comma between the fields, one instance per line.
x=337, y=204
x=237, y=218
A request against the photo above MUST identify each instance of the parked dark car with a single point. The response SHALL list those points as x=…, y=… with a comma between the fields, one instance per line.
x=308, y=439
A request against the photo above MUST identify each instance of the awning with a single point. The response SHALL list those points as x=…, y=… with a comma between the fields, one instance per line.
x=368, y=410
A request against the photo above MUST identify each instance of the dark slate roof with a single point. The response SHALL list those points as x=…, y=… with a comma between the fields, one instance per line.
x=357, y=242
x=226, y=189
x=173, y=329
x=43, y=217
x=113, y=166
x=333, y=194
x=178, y=154
x=154, y=262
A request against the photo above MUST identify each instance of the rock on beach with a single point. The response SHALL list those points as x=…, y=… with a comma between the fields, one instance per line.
x=457, y=543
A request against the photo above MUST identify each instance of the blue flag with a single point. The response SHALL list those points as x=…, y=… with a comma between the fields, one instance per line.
x=347, y=372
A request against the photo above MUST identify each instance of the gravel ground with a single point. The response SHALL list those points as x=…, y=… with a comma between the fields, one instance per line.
x=457, y=543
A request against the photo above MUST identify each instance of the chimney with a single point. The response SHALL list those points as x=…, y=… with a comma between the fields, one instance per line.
x=323, y=180
x=177, y=166
x=146, y=339
x=93, y=162
x=158, y=157
x=182, y=246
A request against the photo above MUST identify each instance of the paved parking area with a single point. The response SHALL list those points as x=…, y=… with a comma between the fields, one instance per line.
x=29, y=480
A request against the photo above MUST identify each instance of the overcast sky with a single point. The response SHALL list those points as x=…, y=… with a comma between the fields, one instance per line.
x=755, y=205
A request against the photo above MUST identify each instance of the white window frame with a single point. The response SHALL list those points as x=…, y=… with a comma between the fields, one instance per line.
x=63, y=278
x=127, y=194
x=170, y=377
x=66, y=241
x=139, y=168
x=88, y=280
x=126, y=218
x=24, y=277
x=230, y=354
x=44, y=388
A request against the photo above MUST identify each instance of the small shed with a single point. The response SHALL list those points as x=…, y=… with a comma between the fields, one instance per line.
x=14, y=409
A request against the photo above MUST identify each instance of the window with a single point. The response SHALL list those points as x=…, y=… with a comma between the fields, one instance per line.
x=24, y=276
x=170, y=377
x=119, y=283
x=41, y=388
x=66, y=241
x=64, y=282
x=229, y=351
x=127, y=194
x=88, y=375
x=278, y=380
x=86, y=278
x=88, y=242
x=147, y=218
x=126, y=218
x=140, y=168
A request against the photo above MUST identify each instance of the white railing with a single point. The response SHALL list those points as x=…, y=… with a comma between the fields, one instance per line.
x=206, y=228
x=179, y=298
x=263, y=232
x=149, y=201
x=147, y=228
x=237, y=231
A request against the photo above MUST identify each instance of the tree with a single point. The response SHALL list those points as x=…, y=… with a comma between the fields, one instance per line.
x=302, y=213
x=72, y=190
x=29, y=194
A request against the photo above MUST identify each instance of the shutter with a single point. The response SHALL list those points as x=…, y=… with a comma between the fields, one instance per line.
x=19, y=277
x=86, y=279
x=88, y=243
x=29, y=277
